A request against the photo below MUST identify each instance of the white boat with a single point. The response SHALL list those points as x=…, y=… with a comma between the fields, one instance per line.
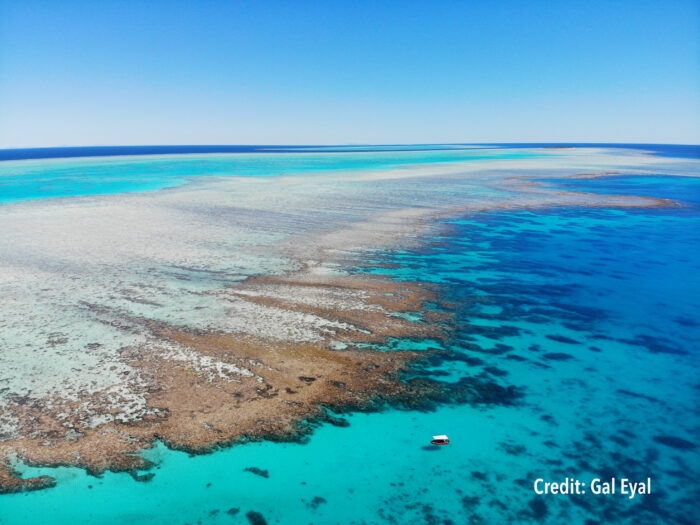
x=440, y=440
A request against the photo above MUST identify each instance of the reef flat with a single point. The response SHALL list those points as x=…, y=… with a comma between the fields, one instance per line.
x=200, y=389
x=222, y=309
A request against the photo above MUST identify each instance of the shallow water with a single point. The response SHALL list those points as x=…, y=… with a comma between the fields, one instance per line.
x=589, y=314
x=30, y=180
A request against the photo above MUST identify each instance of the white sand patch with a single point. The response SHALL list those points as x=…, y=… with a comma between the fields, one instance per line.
x=315, y=296
x=200, y=363
x=269, y=322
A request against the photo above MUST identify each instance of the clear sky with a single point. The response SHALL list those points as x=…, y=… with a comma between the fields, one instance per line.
x=342, y=72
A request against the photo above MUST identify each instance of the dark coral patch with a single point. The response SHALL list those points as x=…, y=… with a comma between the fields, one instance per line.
x=314, y=503
x=255, y=518
x=638, y=395
x=563, y=339
x=675, y=442
x=656, y=345
x=495, y=371
x=558, y=356
x=686, y=321
x=513, y=449
x=258, y=472
x=538, y=508
x=143, y=478
x=468, y=502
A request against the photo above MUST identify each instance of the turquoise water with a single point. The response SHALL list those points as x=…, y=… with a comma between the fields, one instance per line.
x=30, y=180
x=575, y=353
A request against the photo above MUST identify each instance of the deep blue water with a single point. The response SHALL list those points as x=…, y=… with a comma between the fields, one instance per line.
x=683, y=151
x=592, y=314
x=110, y=151
x=659, y=186
x=574, y=353
x=669, y=150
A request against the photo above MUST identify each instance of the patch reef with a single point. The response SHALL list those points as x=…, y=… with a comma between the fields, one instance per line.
x=198, y=389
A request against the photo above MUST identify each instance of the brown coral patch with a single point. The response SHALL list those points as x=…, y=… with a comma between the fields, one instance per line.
x=207, y=389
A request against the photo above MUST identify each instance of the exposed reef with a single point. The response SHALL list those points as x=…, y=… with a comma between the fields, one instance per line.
x=204, y=389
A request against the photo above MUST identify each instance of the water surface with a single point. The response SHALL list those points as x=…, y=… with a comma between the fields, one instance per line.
x=576, y=346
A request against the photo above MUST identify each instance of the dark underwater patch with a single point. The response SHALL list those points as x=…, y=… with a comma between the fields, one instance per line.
x=495, y=332
x=424, y=394
x=316, y=502
x=675, y=442
x=563, y=339
x=656, y=345
x=143, y=478
x=255, y=518
x=258, y=472
x=513, y=449
x=436, y=373
x=497, y=349
x=469, y=502
x=471, y=389
x=327, y=417
x=578, y=327
x=686, y=321
x=619, y=440
x=637, y=395
x=557, y=356
x=438, y=357
x=549, y=419
x=538, y=508
x=495, y=371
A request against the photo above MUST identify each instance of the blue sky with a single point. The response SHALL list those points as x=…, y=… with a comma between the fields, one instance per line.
x=297, y=72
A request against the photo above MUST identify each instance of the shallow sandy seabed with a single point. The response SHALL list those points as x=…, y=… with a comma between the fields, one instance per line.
x=220, y=310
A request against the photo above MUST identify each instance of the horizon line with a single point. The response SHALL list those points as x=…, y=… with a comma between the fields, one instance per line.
x=48, y=152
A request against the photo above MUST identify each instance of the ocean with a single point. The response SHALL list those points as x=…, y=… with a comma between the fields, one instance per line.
x=572, y=352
